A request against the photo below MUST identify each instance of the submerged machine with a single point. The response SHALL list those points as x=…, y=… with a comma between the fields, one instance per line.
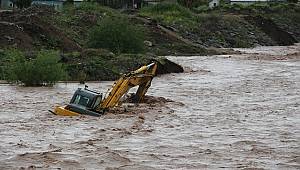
x=89, y=102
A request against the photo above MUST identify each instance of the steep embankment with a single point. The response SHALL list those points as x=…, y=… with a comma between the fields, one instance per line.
x=233, y=26
x=166, y=41
x=40, y=27
x=28, y=31
x=277, y=34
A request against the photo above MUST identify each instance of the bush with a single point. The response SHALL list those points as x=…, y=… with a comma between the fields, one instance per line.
x=118, y=36
x=170, y=14
x=45, y=69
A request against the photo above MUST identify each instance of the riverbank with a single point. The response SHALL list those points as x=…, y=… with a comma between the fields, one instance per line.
x=169, y=29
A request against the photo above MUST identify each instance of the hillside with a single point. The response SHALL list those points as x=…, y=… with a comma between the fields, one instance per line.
x=231, y=26
x=68, y=30
x=169, y=29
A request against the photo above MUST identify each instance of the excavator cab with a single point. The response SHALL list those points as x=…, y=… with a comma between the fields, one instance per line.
x=87, y=98
x=84, y=101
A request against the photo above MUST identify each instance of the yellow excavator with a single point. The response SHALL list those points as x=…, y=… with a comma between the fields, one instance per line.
x=89, y=102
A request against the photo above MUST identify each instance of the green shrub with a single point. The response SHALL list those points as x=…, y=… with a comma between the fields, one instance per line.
x=170, y=14
x=45, y=69
x=117, y=35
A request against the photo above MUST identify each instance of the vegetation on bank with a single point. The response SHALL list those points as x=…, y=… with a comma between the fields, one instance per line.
x=169, y=13
x=44, y=69
x=285, y=15
x=207, y=29
x=90, y=26
x=99, y=64
x=78, y=23
x=99, y=43
x=227, y=25
x=118, y=36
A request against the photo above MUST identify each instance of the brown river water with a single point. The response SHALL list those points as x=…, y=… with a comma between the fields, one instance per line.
x=225, y=112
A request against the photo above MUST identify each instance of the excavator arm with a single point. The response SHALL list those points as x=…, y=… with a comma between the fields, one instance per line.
x=141, y=77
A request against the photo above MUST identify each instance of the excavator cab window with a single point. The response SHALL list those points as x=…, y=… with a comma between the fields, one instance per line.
x=86, y=98
x=81, y=100
x=97, y=101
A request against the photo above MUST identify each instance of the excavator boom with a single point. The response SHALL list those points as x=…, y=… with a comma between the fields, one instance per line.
x=142, y=77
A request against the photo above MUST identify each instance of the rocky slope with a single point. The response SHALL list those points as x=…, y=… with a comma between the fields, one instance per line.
x=231, y=26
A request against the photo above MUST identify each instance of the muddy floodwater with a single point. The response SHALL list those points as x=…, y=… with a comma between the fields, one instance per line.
x=225, y=112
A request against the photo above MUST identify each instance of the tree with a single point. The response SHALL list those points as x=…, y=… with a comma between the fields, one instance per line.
x=45, y=69
x=117, y=35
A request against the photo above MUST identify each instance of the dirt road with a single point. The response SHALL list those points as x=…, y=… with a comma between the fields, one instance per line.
x=229, y=112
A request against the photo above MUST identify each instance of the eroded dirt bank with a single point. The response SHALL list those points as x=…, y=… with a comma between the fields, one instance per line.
x=230, y=112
